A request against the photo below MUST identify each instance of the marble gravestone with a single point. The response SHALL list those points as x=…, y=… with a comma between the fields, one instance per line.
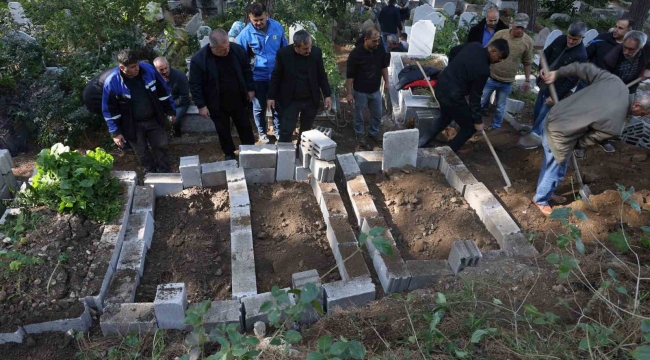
x=423, y=34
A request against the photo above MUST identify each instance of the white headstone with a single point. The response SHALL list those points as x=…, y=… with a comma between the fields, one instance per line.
x=558, y=16
x=309, y=26
x=437, y=19
x=18, y=14
x=421, y=42
x=467, y=19
x=577, y=5
x=449, y=9
x=205, y=41
x=540, y=38
x=551, y=37
x=589, y=36
x=154, y=11
x=421, y=12
x=202, y=32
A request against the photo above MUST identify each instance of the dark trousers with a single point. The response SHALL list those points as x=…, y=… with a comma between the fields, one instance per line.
x=307, y=111
x=239, y=115
x=459, y=112
x=149, y=133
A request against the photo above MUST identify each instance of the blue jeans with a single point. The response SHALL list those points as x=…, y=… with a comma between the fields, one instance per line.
x=180, y=112
x=259, y=108
x=540, y=111
x=502, y=91
x=550, y=175
x=384, y=38
x=373, y=103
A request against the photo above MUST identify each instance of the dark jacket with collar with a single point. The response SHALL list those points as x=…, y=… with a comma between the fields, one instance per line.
x=204, y=77
x=599, y=47
x=553, y=52
x=283, y=79
x=614, y=58
x=179, y=87
x=475, y=34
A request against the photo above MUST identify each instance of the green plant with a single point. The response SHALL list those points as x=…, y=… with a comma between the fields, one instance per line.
x=16, y=225
x=15, y=262
x=73, y=183
x=343, y=349
x=62, y=257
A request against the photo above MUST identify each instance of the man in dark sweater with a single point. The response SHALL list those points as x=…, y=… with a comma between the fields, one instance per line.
x=390, y=21
x=221, y=82
x=179, y=87
x=465, y=75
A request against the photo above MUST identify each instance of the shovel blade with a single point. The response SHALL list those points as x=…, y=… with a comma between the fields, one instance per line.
x=585, y=193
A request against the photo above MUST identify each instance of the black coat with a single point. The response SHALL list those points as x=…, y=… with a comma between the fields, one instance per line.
x=599, y=47
x=614, y=58
x=283, y=79
x=204, y=77
x=475, y=34
x=577, y=53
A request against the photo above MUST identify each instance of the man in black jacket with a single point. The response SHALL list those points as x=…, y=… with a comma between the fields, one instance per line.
x=221, y=82
x=629, y=60
x=466, y=75
x=564, y=50
x=486, y=28
x=296, y=82
x=179, y=87
x=604, y=43
x=390, y=22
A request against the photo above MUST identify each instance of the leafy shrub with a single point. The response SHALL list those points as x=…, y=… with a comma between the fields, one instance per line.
x=73, y=183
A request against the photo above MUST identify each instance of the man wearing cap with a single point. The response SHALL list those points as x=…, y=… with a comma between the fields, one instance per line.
x=486, y=28
x=502, y=75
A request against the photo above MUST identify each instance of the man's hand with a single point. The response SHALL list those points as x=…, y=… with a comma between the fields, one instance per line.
x=550, y=78
x=251, y=96
x=549, y=101
x=173, y=119
x=270, y=104
x=525, y=87
x=328, y=103
x=204, y=112
x=350, y=99
x=479, y=127
x=119, y=140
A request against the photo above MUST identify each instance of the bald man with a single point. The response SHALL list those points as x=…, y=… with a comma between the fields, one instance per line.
x=179, y=87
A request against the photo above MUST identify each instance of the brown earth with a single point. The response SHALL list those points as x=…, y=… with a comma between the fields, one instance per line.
x=24, y=297
x=191, y=244
x=288, y=233
x=425, y=214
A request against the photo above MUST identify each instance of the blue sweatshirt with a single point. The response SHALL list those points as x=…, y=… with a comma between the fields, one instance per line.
x=264, y=46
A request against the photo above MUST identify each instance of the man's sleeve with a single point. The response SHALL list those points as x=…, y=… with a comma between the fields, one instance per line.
x=164, y=95
x=528, y=55
x=196, y=84
x=323, y=83
x=351, y=71
x=475, y=99
x=184, y=89
x=241, y=39
x=110, y=110
x=586, y=72
x=276, y=77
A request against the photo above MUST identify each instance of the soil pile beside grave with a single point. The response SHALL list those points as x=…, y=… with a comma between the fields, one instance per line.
x=289, y=234
x=425, y=214
x=191, y=244
x=24, y=297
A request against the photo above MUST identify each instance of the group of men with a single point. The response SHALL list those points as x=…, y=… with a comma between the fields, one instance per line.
x=137, y=98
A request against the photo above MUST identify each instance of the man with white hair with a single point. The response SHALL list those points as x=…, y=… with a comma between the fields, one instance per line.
x=221, y=82
x=592, y=115
x=394, y=45
x=179, y=87
x=631, y=59
x=486, y=28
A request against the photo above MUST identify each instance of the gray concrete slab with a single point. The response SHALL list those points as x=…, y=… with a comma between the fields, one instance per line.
x=122, y=319
x=369, y=162
x=257, y=156
x=170, y=305
x=144, y=199
x=341, y=295
x=165, y=184
x=426, y=273
x=190, y=169
x=260, y=175
x=347, y=166
x=400, y=149
x=224, y=312
x=214, y=174
x=286, y=162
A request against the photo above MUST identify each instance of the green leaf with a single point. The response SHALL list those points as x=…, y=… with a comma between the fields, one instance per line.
x=275, y=342
x=553, y=258
x=645, y=241
x=612, y=274
x=316, y=356
x=618, y=239
x=622, y=290
x=531, y=309
x=460, y=353
x=645, y=325
x=324, y=343
x=496, y=302
x=586, y=343
x=382, y=245
x=579, y=215
x=580, y=246
x=274, y=316
x=309, y=293
x=478, y=334
x=266, y=306
x=376, y=231
x=362, y=238
x=634, y=205
x=338, y=348
x=563, y=241
x=641, y=352
x=645, y=229
x=560, y=213
x=292, y=337
x=317, y=306
x=441, y=299
x=566, y=265
x=356, y=350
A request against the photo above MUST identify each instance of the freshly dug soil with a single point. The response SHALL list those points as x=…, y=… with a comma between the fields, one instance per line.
x=425, y=214
x=289, y=234
x=24, y=298
x=434, y=61
x=191, y=244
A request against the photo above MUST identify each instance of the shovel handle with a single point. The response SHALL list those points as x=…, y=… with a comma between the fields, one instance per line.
x=503, y=171
x=426, y=78
x=551, y=86
x=636, y=81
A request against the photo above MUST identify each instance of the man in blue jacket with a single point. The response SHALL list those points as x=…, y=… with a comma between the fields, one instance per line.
x=262, y=37
x=135, y=102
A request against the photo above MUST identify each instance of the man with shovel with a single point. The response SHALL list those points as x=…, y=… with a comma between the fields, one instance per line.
x=591, y=115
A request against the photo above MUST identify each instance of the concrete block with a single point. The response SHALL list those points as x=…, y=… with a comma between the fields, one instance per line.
x=447, y=157
x=140, y=228
x=391, y=271
x=499, y=223
x=400, y=149
x=321, y=188
x=112, y=239
x=170, y=305
x=165, y=184
x=123, y=319
x=369, y=162
x=426, y=273
x=323, y=171
x=364, y=207
x=260, y=175
x=347, y=166
x=370, y=223
x=357, y=186
x=240, y=219
x=325, y=130
x=298, y=281
x=339, y=231
x=480, y=199
x=238, y=194
x=128, y=181
x=252, y=306
x=5, y=192
x=7, y=212
x=458, y=176
x=350, y=261
x=475, y=255
x=81, y=323
x=428, y=158
x=332, y=206
x=10, y=180
x=341, y=295
x=234, y=175
x=214, y=174
x=518, y=245
x=319, y=145
x=144, y=199
x=459, y=256
x=190, y=169
x=257, y=156
x=242, y=257
x=223, y=312
x=514, y=106
x=286, y=163
x=304, y=156
x=123, y=286
x=132, y=256
x=14, y=337
x=302, y=173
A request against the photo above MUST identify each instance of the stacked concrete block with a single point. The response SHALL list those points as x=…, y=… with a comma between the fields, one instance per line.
x=144, y=200
x=81, y=323
x=480, y=199
x=128, y=180
x=302, y=173
x=518, y=245
x=299, y=280
x=474, y=252
x=304, y=156
x=252, y=306
x=190, y=169
x=321, y=188
x=458, y=176
x=371, y=223
x=332, y=206
x=260, y=176
x=286, y=164
x=400, y=149
x=391, y=269
x=341, y=295
x=140, y=228
x=104, y=263
x=259, y=162
x=214, y=174
x=165, y=184
x=362, y=202
x=123, y=319
x=122, y=287
x=325, y=130
x=350, y=261
x=369, y=162
x=170, y=305
x=322, y=170
x=426, y=273
x=8, y=181
x=347, y=166
x=463, y=253
x=223, y=312
x=637, y=132
x=318, y=145
x=339, y=231
x=499, y=223
x=428, y=158
x=132, y=256
x=447, y=157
